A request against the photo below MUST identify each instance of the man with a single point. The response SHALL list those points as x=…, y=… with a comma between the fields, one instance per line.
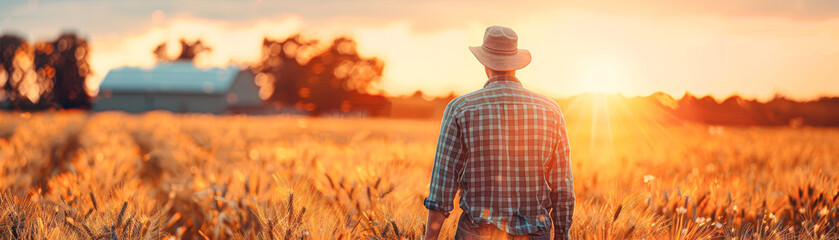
x=506, y=150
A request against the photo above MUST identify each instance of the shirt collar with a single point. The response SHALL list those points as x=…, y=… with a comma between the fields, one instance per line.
x=502, y=78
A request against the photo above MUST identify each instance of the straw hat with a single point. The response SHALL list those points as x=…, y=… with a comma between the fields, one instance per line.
x=500, y=50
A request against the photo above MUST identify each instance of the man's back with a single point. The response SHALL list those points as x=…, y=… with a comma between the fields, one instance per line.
x=505, y=147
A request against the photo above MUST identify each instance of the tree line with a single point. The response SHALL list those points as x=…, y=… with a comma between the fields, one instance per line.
x=320, y=78
x=779, y=111
x=295, y=73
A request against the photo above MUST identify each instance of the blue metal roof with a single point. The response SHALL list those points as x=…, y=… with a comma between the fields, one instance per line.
x=175, y=77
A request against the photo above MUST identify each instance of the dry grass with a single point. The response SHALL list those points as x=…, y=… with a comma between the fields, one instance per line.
x=158, y=175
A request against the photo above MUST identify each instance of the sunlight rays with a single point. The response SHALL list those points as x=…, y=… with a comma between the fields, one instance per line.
x=599, y=122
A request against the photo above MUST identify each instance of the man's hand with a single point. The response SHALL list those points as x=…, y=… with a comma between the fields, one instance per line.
x=434, y=224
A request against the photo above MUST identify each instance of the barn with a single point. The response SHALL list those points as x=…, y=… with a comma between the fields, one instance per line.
x=178, y=87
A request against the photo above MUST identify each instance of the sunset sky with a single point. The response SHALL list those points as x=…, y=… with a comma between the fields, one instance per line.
x=719, y=47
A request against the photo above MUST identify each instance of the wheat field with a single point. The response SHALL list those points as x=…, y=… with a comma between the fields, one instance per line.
x=78, y=175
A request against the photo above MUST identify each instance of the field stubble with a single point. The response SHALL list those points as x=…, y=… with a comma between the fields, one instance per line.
x=160, y=175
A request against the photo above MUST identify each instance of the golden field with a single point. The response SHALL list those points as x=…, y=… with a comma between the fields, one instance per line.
x=159, y=175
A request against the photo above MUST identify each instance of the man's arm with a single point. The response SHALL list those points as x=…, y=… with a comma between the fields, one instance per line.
x=434, y=224
x=448, y=165
x=561, y=181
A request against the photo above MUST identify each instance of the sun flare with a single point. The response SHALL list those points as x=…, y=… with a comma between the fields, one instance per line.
x=602, y=76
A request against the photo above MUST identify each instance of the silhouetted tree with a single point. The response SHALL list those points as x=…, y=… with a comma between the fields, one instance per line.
x=65, y=62
x=9, y=46
x=318, y=81
x=160, y=53
x=281, y=68
x=46, y=74
x=189, y=50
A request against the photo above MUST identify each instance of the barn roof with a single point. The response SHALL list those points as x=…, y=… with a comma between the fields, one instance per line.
x=175, y=77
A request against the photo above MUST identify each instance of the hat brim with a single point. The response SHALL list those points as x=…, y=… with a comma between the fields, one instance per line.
x=502, y=62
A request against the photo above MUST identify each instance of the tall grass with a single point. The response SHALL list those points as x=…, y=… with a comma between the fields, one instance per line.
x=159, y=175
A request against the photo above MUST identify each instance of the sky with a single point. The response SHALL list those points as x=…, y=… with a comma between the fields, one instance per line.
x=757, y=49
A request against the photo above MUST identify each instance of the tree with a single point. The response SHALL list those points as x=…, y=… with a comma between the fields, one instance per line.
x=46, y=74
x=189, y=50
x=160, y=53
x=336, y=79
x=9, y=46
x=65, y=62
x=280, y=70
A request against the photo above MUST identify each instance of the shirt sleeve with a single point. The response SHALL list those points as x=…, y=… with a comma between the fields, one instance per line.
x=448, y=164
x=561, y=181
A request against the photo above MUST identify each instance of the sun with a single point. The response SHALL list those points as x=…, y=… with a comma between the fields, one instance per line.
x=602, y=76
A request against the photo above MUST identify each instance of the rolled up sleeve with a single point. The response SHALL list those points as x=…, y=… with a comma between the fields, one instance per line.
x=561, y=181
x=448, y=164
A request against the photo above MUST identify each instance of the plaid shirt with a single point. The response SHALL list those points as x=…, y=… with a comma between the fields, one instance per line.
x=505, y=148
